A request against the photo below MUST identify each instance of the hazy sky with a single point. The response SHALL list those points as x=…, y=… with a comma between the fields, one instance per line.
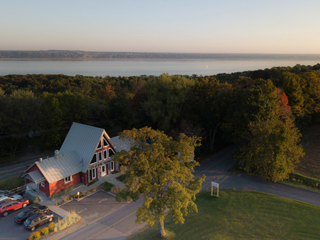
x=199, y=26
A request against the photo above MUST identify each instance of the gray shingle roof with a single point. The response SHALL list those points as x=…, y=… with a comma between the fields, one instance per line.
x=60, y=166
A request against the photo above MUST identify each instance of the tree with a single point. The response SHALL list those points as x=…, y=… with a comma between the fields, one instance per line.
x=270, y=149
x=207, y=105
x=164, y=100
x=160, y=169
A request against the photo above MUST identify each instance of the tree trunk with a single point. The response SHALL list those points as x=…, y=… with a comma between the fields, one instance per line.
x=212, y=137
x=161, y=231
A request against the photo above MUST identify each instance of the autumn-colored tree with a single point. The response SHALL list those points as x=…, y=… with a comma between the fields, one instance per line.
x=160, y=169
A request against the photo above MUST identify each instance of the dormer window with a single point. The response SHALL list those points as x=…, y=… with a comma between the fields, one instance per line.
x=100, y=156
x=94, y=159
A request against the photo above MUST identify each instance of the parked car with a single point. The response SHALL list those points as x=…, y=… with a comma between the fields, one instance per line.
x=4, y=193
x=12, y=205
x=11, y=197
x=22, y=216
x=37, y=220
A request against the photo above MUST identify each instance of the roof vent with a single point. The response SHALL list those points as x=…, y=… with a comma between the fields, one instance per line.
x=40, y=159
x=56, y=152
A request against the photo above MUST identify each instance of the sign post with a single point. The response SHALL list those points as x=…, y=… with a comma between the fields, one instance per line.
x=214, y=184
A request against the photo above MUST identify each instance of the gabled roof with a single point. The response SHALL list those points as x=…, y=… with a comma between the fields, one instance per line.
x=60, y=166
x=121, y=145
x=84, y=140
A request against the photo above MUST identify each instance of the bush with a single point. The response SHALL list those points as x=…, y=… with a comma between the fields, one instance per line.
x=312, y=182
x=69, y=220
x=107, y=186
x=115, y=189
x=44, y=231
x=51, y=226
x=36, y=200
x=92, y=182
x=34, y=236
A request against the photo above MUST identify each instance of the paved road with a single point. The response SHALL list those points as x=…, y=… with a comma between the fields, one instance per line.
x=121, y=223
x=216, y=170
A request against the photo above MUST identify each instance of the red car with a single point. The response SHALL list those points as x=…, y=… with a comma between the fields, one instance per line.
x=11, y=206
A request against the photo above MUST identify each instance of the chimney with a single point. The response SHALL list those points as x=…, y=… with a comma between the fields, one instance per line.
x=56, y=152
x=40, y=159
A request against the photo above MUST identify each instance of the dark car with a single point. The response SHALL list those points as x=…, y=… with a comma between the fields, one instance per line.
x=37, y=220
x=12, y=205
x=22, y=216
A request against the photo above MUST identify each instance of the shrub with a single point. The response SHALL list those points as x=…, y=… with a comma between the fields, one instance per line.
x=92, y=182
x=36, y=200
x=34, y=236
x=51, y=226
x=107, y=186
x=115, y=189
x=69, y=220
x=44, y=231
x=305, y=180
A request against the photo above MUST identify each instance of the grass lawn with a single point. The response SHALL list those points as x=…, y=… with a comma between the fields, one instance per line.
x=11, y=183
x=243, y=215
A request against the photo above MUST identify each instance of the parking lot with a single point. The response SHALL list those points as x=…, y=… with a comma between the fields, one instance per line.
x=94, y=207
x=10, y=230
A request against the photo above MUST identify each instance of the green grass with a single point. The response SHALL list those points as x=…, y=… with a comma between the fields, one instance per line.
x=243, y=215
x=107, y=186
x=121, y=178
x=11, y=183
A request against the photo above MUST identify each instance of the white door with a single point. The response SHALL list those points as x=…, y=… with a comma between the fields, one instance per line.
x=103, y=170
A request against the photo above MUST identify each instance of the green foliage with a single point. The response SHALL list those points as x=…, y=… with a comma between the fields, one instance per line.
x=270, y=149
x=34, y=236
x=44, y=231
x=164, y=99
x=160, y=169
x=107, y=186
x=312, y=182
x=36, y=200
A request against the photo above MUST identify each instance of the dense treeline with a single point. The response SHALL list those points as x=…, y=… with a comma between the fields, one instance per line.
x=263, y=111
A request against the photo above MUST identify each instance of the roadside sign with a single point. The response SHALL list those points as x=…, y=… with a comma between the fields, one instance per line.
x=214, y=184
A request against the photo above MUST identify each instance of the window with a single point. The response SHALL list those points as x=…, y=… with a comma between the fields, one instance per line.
x=105, y=143
x=105, y=155
x=112, y=165
x=93, y=173
x=110, y=152
x=99, y=146
x=100, y=156
x=94, y=159
x=67, y=179
x=42, y=184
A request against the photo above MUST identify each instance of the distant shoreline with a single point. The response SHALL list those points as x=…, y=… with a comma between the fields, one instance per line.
x=89, y=56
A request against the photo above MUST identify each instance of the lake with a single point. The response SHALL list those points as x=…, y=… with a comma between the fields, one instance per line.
x=137, y=67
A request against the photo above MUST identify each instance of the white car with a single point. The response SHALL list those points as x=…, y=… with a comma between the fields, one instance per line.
x=12, y=197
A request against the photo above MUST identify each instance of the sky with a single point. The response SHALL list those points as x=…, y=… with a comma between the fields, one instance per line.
x=183, y=26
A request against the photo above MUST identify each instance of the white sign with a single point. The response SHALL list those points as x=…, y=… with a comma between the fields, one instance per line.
x=214, y=184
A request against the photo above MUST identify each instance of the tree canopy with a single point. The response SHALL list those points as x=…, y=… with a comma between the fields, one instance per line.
x=160, y=169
